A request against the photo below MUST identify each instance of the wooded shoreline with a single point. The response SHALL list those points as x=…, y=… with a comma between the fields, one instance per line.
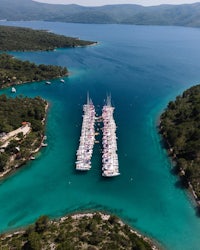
x=87, y=230
x=16, y=153
x=179, y=127
x=26, y=39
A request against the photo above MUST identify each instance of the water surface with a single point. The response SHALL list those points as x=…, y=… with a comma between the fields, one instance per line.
x=143, y=67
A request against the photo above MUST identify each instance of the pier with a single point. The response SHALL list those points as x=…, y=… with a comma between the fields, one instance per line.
x=110, y=164
x=87, y=138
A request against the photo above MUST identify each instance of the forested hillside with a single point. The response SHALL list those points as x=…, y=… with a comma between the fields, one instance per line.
x=182, y=15
x=23, y=39
x=92, y=232
x=14, y=71
x=180, y=126
x=13, y=112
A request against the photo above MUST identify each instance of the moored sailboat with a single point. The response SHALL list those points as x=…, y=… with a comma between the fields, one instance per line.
x=13, y=90
x=87, y=138
x=110, y=162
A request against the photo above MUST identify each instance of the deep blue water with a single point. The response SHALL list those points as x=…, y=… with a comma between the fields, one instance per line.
x=143, y=67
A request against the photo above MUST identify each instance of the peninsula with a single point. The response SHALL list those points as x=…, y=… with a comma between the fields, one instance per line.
x=22, y=122
x=180, y=127
x=14, y=71
x=22, y=119
x=21, y=130
x=26, y=39
x=90, y=231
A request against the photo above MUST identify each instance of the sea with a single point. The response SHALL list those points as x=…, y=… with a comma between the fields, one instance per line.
x=142, y=68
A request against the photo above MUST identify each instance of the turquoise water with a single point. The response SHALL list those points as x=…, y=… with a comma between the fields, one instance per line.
x=143, y=68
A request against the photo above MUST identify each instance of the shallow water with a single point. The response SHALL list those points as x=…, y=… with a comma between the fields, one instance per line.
x=143, y=67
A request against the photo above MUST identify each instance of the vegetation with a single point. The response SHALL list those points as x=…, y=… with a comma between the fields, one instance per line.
x=87, y=232
x=182, y=15
x=180, y=126
x=13, y=113
x=14, y=71
x=25, y=39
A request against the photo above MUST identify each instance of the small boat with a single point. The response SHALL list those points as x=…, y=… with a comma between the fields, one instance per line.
x=62, y=80
x=32, y=157
x=47, y=82
x=44, y=144
x=110, y=174
x=13, y=90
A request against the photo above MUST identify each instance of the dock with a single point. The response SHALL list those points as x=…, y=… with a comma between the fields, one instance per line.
x=87, y=138
x=110, y=164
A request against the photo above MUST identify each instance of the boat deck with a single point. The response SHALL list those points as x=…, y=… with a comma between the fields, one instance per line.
x=87, y=139
x=110, y=162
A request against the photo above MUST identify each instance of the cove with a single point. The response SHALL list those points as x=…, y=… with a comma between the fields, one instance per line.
x=143, y=67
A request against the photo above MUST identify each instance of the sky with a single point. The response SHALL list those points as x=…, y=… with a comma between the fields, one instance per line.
x=104, y=2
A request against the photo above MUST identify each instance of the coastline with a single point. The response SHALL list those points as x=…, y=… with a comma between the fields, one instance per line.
x=83, y=215
x=8, y=85
x=14, y=83
x=170, y=151
x=51, y=49
x=10, y=171
x=105, y=216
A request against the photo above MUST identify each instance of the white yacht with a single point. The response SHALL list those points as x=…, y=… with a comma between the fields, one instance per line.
x=87, y=138
x=110, y=163
x=13, y=90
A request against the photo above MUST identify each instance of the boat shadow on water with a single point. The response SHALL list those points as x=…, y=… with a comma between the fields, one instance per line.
x=77, y=172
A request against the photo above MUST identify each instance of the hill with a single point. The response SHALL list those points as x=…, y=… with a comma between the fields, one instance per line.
x=14, y=71
x=23, y=39
x=92, y=231
x=180, y=128
x=181, y=15
x=23, y=117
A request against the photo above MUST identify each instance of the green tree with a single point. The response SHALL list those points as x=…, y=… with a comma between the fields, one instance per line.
x=41, y=224
x=34, y=242
x=3, y=161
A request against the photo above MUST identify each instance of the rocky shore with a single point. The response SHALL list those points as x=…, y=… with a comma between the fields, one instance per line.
x=179, y=127
x=95, y=230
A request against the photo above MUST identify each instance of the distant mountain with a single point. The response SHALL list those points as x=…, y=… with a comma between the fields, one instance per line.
x=182, y=15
